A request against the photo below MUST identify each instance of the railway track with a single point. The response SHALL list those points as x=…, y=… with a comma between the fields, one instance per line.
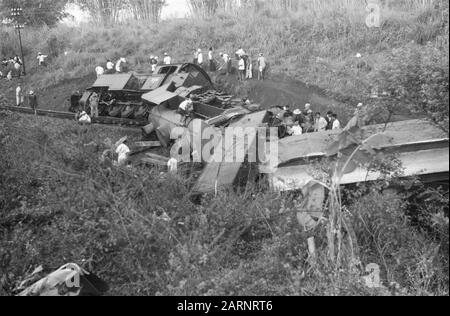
x=71, y=116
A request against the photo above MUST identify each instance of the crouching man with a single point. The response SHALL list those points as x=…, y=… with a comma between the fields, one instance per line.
x=83, y=118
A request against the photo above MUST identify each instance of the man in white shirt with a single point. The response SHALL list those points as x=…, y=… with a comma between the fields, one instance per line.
x=212, y=65
x=186, y=106
x=261, y=66
x=84, y=118
x=172, y=165
x=336, y=122
x=295, y=130
x=19, y=95
x=100, y=71
x=123, y=152
x=110, y=66
x=167, y=59
x=119, y=63
x=41, y=59
x=242, y=69
x=200, y=57
x=321, y=123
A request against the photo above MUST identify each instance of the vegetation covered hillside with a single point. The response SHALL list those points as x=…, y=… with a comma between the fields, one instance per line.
x=316, y=44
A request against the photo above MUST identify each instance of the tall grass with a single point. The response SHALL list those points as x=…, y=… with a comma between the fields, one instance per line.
x=60, y=204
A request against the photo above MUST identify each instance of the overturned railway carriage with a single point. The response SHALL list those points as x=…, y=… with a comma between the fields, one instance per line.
x=120, y=95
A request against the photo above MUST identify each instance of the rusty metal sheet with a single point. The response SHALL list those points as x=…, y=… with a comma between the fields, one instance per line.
x=160, y=95
x=114, y=82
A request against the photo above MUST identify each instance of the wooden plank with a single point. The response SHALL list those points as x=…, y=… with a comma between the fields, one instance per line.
x=157, y=157
x=154, y=162
x=147, y=144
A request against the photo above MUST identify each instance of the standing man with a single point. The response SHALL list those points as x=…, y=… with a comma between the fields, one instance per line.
x=19, y=95
x=41, y=60
x=241, y=68
x=119, y=66
x=227, y=63
x=109, y=67
x=200, y=57
x=153, y=62
x=261, y=66
x=249, y=74
x=93, y=103
x=33, y=101
x=167, y=59
x=212, y=65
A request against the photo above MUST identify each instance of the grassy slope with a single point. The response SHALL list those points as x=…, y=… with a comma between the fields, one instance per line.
x=59, y=204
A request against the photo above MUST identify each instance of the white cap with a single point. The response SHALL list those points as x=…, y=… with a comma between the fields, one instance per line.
x=360, y=105
x=307, y=105
x=165, y=54
x=31, y=92
x=297, y=112
x=199, y=50
x=358, y=55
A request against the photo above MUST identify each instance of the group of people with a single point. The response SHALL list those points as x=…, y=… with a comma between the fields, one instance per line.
x=299, y=122
x=110, y=68
x=246, y=65
x=31, y=98
x=11, y=67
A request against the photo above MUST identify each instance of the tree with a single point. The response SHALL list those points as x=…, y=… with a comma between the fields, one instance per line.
x=35, y=12
x=149, y=10
x=104, y=12
x=416, y=77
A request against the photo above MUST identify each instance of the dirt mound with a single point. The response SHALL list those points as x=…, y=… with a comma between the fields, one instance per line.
x=283, y=91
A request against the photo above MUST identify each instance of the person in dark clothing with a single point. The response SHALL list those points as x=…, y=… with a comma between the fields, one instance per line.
x=329, y=119
x=33, y=101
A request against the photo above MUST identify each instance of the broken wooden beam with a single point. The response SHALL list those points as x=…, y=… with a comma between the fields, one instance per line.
x=152, y=144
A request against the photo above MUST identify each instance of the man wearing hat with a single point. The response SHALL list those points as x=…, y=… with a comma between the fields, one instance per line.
x=41, y=59
x=167, y=59
x=123, y=151
x=200, y=57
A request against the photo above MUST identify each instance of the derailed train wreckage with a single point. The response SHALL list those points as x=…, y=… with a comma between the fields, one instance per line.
x=134, y=96
x=155, y=100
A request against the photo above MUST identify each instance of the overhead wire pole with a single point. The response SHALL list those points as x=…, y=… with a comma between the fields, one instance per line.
x=16, y=14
